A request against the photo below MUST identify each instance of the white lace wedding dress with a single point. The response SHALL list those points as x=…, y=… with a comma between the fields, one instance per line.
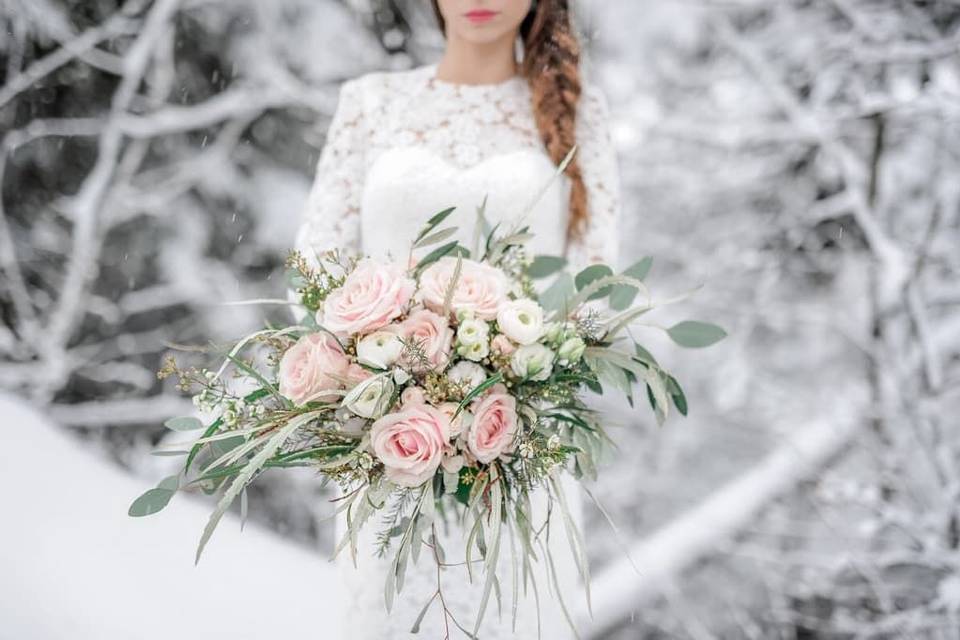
x=403, y=145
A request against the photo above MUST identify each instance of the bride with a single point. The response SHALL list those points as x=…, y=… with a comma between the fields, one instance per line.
x=403, y=145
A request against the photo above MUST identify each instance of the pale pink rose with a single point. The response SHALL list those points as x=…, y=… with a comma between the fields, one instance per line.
x=315, y=363
x=480, y=287
x=371, y=296
x=502, y=344
x=412, y=395
x=411, y=443
x=456, y=424
x=432, y=333
x=494, y=427
x=355, y=374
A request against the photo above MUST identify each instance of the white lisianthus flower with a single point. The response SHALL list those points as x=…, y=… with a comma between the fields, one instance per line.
x=380, y=349
x=472, y=332
x=371, y=397
x=571, y=350
x=533, y=361
x=475, y=352
x=521, y=320
x=467, y=372
x=553, y=332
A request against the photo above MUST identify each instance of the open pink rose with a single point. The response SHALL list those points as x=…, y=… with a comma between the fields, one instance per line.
x=315, y=363
x=480, y=287
x=494, y=427
x=371, y=296
x=431, y=331
x=411, y=443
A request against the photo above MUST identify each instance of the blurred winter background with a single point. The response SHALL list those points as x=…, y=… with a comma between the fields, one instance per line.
x=801, y=158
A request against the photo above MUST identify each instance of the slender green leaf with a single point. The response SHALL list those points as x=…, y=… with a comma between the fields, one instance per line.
x=435, y=255
x=423, y=612
x=187, y=423
x=477, y=390
x=676, y=393
x=433, y=222
x=195, y=449
x=434, y=238
x=244, y=477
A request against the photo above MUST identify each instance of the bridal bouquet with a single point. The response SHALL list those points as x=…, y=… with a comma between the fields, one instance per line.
x=431, y=388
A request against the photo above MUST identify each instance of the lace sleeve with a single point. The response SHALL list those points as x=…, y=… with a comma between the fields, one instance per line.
x=331, y=217
x=598, y=164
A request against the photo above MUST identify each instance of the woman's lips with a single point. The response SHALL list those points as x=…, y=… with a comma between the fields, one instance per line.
x=480, y=15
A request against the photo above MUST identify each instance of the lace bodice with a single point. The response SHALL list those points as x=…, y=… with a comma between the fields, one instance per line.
x=403, y=144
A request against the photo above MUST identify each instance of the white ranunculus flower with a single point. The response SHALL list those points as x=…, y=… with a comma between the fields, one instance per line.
x=533, y=361
x=380, y=349
x=371, y=397
x=472, y=331
x=521, y=320
x=468, y=372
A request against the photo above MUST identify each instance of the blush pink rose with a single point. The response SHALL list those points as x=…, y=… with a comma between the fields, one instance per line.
x=315, y=363
x=411, y=443
x=371, y=296
x=412, y=395
x=502, y=344
x=480, y=287
x=355, y=374
x=494, y=427
x=432, y=333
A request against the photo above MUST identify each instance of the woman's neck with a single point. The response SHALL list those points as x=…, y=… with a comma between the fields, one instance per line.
x=477, y=63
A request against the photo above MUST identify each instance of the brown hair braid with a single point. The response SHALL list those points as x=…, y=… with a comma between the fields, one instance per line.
x=551, y=65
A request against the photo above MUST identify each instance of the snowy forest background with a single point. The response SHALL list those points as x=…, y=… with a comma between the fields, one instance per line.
x=801, y=158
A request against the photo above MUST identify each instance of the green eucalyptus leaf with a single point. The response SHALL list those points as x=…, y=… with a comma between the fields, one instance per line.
x=623, y=295
x=557, y=296
x=592, y=273
x=155, y=499
x=150, y=502
x=694, y=334
x=544, y=266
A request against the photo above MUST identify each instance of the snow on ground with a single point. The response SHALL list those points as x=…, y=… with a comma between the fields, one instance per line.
x=74, y=565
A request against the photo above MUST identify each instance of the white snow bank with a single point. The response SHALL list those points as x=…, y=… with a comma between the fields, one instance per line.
x=74, y=565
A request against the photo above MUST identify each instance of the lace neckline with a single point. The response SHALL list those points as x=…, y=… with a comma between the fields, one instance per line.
x=463, y=88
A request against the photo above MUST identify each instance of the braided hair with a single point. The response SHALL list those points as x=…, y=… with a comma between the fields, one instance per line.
x=551, y=65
